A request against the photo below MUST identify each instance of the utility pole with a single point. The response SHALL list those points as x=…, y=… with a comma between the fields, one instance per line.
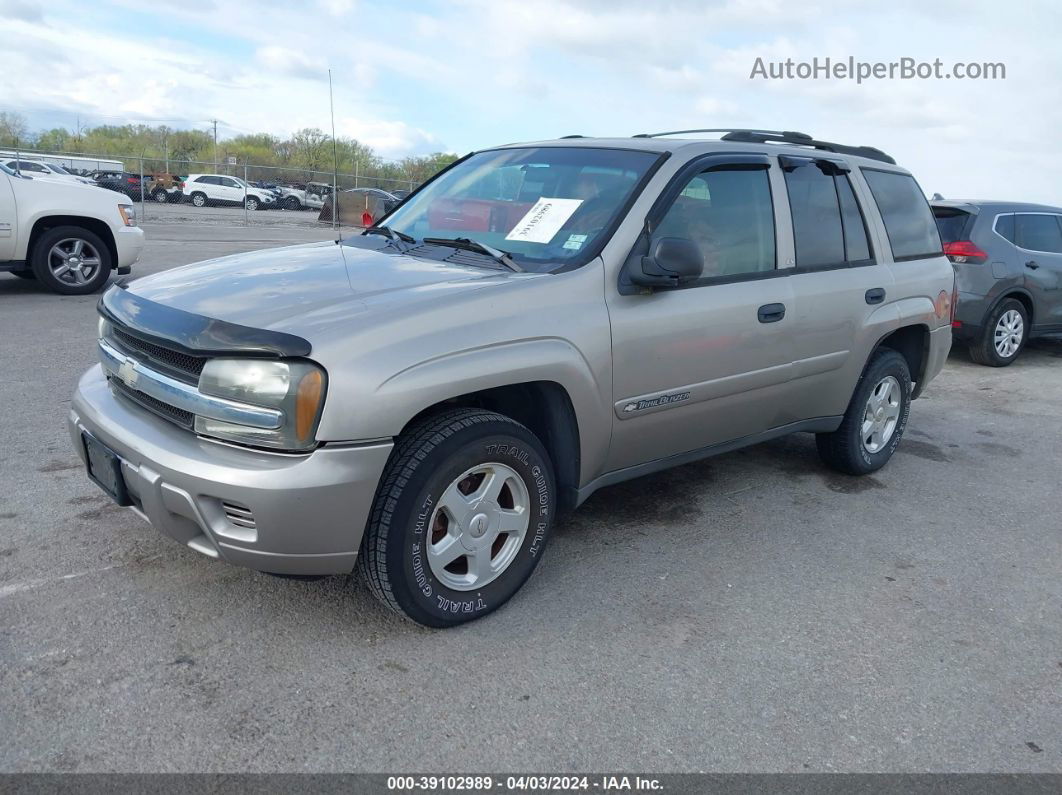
x=215, y=146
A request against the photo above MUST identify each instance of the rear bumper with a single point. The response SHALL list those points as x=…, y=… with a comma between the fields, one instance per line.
x=936, y=356
x=309, y=511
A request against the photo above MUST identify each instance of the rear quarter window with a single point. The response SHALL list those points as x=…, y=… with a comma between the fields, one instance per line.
x=905, y=212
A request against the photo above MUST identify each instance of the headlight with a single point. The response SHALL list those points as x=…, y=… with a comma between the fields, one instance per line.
x=295, y=388
x=128, y=214
x=103, y=328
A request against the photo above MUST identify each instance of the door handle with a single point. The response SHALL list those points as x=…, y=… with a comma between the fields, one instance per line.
x=771, y=313
x=1032, y=264
x=875, y=295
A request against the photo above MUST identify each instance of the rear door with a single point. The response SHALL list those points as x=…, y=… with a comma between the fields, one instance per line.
x=1038, y=237
x=838, y=282
x=707, y=362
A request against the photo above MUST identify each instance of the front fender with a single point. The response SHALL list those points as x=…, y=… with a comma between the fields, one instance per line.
x=412, y=390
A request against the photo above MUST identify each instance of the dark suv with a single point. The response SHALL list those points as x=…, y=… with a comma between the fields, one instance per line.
x=1008, y=274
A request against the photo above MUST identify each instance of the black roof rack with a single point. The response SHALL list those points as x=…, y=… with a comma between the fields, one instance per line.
x=784, y=137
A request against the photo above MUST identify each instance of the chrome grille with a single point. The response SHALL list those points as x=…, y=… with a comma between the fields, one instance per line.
x=183, y=418
x=181, y=364
x=239, y=515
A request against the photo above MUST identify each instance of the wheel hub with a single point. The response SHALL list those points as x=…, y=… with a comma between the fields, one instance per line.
x=881, y=415
x=478, y=526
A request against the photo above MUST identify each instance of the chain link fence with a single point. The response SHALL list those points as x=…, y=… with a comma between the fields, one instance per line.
x=227, y=192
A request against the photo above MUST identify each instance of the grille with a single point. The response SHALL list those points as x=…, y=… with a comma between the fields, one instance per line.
x=239, y=515
x=179, y=416
x=180, y=363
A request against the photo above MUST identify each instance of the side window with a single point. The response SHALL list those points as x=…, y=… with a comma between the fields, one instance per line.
x=828, y=228
x=206, y=180
x=229, y=183
x=729, y=214
x=1005, y=226
x=905, y=213
x=1038, y=232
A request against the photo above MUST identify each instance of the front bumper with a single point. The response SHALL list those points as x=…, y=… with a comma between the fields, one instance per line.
x=309, y=511
x=129, y=241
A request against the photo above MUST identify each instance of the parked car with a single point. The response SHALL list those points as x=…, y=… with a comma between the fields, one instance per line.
x=311, y=196
x=167, y=188
x=218, y=189
x=66, y=235
x=539, y=321
x=124, y=182
x=40, y=168
x=1008, y=271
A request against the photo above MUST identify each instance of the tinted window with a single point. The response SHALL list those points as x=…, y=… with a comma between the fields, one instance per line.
x=1038, y=232
x=1005, y=226
x=229, y=183
x=828, y=227
x=951, y=223
x=816, y=216
x=856, y=244
x=207, y=180
x=730, y=216
x=903, y=207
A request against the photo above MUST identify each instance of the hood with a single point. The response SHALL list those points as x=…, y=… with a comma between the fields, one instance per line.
x=295, y=287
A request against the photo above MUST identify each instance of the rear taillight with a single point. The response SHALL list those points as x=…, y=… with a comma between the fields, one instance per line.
x=132, y=180
x=964, y=251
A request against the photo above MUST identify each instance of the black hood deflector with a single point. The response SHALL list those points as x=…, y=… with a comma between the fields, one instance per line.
x=194, y=334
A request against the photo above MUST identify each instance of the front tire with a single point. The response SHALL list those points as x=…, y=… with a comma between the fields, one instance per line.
x=292, y=203
x=875, y=420
x=1004, y=335
x=461, y=518
x=251, y=203
x=71, y=260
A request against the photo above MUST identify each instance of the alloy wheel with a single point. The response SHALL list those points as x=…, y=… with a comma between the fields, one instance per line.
x=881, y=414
x=478, y=526
x=74, y=261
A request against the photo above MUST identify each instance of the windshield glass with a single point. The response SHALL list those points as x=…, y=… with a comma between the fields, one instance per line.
x=547, y=206
x=57, y=169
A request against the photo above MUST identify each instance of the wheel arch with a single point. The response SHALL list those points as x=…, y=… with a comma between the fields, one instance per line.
x=911, y=342
x=544, y=407
x=94, y=225
x=1019, y=294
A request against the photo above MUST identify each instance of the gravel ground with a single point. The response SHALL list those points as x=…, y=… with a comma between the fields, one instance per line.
x=754, y=612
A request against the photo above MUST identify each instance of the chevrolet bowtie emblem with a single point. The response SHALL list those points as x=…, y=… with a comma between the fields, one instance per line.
x=127, y=372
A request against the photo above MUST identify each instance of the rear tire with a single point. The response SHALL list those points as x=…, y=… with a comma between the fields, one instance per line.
x=461, y=517
x=199, y=199
x=160, y=196
x=65, y=267
x=875, y=420
x=1003, y=338
x=292, y=203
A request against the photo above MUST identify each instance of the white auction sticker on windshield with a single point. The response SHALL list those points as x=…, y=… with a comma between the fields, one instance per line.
x=544, y=220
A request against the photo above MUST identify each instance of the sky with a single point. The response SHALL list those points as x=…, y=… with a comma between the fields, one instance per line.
x=418, y=77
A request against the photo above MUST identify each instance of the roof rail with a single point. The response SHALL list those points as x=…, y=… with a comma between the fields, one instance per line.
x=785, y=137
x=721, y=130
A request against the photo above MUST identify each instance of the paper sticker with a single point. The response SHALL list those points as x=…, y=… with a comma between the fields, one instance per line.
x=544, y=220
x=575, y=242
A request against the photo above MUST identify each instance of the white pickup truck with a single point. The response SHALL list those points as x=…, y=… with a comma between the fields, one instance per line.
x=66, y=235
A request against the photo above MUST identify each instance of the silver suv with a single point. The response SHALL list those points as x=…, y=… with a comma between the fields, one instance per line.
x=536, y=322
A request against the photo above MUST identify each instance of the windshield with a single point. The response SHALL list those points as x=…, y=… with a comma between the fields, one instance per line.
x=58, y=169
x=547, y=206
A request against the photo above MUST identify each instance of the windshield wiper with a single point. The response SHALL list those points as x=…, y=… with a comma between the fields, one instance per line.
x=390, y=233
x=504, y=257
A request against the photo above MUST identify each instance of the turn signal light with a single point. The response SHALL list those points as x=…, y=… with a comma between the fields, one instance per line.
x=307, y=402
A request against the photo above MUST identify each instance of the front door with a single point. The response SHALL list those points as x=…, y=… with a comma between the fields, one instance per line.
x=709, y=361
x=8, y=219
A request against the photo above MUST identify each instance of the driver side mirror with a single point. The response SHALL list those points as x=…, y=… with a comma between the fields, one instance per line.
x=671, y=261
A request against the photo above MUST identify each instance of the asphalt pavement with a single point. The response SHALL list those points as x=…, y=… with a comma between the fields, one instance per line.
x=755, y=612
